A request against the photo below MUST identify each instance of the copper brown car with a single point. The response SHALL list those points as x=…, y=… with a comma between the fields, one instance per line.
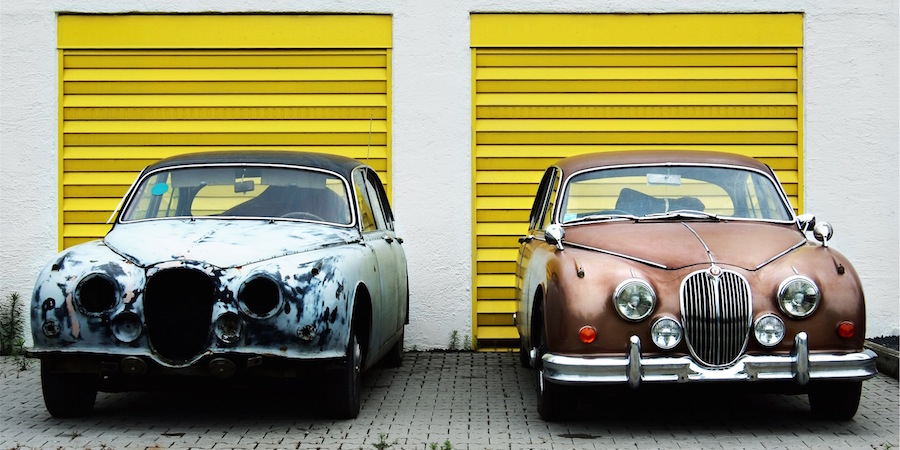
x=679, y=267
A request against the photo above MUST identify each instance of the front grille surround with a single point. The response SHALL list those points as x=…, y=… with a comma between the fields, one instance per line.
x=178, y=304
x=717, y=314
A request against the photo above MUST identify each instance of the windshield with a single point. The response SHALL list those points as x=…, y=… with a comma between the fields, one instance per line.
x=240, y=191
x=653, y=192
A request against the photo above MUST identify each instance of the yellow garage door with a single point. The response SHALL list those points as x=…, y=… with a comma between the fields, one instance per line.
x=551, y=86
x=137, y=88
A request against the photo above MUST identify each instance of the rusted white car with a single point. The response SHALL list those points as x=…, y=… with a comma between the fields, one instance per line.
x=232, y=266
x=680, y=267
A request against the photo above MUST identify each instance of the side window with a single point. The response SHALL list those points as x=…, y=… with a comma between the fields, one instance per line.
x=551, y=202
x=381, y=196
x=366, y=215
x=540, y=200
x=372, y=192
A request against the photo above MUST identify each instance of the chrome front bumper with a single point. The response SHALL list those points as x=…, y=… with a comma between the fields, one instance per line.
x=632, y=369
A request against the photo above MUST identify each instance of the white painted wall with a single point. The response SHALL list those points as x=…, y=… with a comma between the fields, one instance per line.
x=850, y=69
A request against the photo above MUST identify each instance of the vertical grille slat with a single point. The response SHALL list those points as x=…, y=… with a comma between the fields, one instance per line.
x=716, y=313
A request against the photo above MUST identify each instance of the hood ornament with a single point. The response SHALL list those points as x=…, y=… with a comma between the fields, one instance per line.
x=714, y=271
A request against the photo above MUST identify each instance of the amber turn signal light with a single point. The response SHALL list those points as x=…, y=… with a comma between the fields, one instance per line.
x=846, y=329
x=587, y=334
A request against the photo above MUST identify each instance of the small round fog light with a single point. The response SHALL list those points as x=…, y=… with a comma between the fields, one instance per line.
x=228, y=328
x=769, y=330
x=587, y=334
x=127, y=327
x=846, y=329
x=666, y=333
x=51, y=328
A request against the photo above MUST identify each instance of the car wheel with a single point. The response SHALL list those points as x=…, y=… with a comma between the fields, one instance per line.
x=68, y=394
x=394, y=357
x=835, y=400
x=348, y=382
x=549, y=395
x=524, y=357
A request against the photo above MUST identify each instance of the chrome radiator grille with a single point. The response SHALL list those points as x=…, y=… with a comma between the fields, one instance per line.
x=716, y=312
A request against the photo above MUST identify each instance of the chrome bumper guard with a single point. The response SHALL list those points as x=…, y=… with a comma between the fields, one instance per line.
x=799, y=366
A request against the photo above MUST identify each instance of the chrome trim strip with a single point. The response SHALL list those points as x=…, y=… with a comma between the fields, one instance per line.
x=611, y=253
x=626, y=369
x=790, y=249
x=702, y=242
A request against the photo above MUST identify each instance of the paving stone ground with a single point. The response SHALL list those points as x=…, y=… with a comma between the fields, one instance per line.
x=471, y=400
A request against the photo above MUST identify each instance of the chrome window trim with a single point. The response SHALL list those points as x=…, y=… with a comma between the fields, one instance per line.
x=129, y=195
x=564, y=188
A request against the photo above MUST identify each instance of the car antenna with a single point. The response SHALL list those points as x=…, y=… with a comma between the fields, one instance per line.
x=369, y=142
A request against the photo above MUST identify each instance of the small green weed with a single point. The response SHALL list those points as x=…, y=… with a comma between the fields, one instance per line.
x=454, y=340
x=447, y=446
x=12, y=326
x=382, y=443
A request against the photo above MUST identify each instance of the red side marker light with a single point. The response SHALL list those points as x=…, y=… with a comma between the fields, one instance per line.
x=846, y=329
x=587, y=334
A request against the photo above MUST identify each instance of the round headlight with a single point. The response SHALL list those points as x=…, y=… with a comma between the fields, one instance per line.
x=228, y=328
x=127, y=327
x=769, y=330
x=634, y=299
x=666, y=333
x=96, y=293
x=798, y=296
x=259, y=296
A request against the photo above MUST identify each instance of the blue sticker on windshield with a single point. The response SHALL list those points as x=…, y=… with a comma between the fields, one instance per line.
x=570, y=216
x=159, y=189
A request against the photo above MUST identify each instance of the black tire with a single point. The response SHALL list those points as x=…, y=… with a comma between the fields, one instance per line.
x=394, y=357
x=524, y=357
x=68, y=394
x=835, y=400
x=550, y=396
x=348, y=382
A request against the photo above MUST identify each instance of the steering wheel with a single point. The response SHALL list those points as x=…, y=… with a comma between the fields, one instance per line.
x=302, y=215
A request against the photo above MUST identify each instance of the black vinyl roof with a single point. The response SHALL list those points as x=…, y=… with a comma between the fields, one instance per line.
x=339, y=164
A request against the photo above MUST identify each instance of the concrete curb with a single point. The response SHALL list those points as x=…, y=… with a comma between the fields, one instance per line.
x=887, y=362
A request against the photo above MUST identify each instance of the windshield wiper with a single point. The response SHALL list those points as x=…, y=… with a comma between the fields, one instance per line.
x=593, y=217
x=682, y=214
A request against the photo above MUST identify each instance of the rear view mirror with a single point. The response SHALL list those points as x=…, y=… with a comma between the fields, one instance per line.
x=243, y=186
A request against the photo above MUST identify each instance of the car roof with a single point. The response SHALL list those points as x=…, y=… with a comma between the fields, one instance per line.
x=339, y=164
x=640, y=157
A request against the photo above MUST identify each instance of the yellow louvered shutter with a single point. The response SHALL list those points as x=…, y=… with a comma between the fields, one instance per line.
x=551, y=86
x=138, y=88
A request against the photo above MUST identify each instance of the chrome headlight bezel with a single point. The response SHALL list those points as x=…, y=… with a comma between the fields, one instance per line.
x=769, y=320
x=657, y=332
x=630, y=308
x=787, y=296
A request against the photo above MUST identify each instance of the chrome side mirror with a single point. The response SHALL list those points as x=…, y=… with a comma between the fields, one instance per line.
x=823, y=232
x=554, y=235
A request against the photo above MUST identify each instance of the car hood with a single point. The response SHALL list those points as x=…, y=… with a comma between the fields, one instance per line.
x=674, y=244
x=221, y=243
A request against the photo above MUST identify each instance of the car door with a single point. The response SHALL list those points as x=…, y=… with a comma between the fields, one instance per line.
x=539, y=218
x=382, y=242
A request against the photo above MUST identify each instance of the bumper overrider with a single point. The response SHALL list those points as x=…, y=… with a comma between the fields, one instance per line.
x=800, y=366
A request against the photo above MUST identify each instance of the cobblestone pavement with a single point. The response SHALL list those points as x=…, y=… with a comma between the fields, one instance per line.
x=471, y=400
